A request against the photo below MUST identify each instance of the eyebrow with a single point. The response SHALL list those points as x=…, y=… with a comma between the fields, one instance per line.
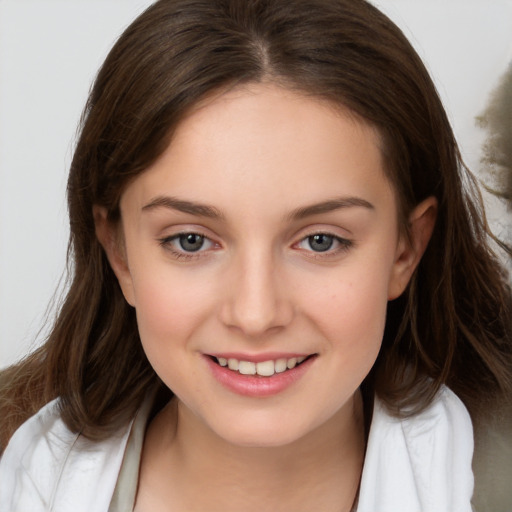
x=329, y=206
x=203, y=210
x=172, y=203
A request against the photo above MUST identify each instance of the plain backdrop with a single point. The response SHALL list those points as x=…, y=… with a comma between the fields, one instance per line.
x=50, y=51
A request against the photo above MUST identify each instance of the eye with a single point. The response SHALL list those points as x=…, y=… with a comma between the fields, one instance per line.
x=190, y=242
x=187, y=245
x=324, y=243
x=320, y=242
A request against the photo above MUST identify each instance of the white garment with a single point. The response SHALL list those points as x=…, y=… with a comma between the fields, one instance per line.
x=422, y=463
x=419, y=464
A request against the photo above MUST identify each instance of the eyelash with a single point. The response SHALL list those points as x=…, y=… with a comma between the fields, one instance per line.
x=344, y=245
x=167, y=244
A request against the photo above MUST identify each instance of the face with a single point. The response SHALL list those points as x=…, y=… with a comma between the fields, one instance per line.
x=265, y=238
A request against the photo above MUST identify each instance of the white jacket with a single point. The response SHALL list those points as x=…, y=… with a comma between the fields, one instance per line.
x=422, y=463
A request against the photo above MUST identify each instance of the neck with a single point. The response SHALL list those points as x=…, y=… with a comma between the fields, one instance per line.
x=319, y=471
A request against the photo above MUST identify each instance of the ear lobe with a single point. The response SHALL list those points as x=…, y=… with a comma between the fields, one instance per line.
x=409, y=251
x=107, y=235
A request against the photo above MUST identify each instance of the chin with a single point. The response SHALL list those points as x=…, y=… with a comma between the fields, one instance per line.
x=260, y=431
x=262, y=438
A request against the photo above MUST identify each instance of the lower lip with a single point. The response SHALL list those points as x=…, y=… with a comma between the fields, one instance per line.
x=254, y=385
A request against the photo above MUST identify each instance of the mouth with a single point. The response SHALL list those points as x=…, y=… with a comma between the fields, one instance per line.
x=261, y=375
x=266, y=368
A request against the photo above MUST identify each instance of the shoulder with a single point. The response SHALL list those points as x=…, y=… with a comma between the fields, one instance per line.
x=46, y=466
x=422, y=462
x=445, y=419
x=33, y=454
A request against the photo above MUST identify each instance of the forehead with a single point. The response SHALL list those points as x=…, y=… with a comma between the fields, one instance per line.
x=262, y=141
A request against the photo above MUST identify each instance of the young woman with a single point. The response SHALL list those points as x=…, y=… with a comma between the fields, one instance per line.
x=282, y=291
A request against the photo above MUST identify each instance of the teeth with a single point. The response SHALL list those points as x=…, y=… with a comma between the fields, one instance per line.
x=247, y=368
x=292, y=363
x=264, y=368
x=281, y=365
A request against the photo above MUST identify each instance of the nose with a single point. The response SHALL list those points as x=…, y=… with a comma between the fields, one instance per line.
x=258, y=301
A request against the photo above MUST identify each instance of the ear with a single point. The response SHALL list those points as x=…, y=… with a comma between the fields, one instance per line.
x=108, y=236
x=410, y=249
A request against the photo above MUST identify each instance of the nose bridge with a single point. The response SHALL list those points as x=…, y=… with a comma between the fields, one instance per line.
x=257, y=300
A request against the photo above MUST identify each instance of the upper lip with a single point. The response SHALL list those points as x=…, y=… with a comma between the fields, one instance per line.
x=259, y=358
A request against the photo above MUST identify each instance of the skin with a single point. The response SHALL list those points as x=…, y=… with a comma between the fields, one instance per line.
x=258, y=156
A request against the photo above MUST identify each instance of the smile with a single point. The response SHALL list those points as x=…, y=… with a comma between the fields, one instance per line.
x=259, y=376
x=263, y=368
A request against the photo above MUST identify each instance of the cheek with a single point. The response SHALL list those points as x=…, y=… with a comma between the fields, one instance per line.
x=169, y=307
x=170, y=310
x=358, y=317
x=351, y=311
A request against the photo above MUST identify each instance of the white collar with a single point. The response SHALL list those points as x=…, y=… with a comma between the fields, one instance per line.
x=418, y=464
x=421, y=463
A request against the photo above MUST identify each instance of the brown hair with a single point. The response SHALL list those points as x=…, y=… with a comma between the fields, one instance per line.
x=451, y=326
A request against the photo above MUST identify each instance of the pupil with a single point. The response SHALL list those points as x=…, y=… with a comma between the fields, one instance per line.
x=320, y=243
x=191, y=242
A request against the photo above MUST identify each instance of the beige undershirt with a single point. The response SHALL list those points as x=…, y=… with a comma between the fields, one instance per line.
x=123, y=499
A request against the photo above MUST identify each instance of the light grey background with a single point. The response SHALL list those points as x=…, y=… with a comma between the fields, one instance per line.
x=50, y=51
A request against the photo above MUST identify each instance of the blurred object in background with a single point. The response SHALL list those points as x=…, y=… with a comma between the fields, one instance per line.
x=496, y=160
x=497, y=150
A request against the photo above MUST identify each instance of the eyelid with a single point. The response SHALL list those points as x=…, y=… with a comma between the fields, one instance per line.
x=167, y=243
x=343, y=243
